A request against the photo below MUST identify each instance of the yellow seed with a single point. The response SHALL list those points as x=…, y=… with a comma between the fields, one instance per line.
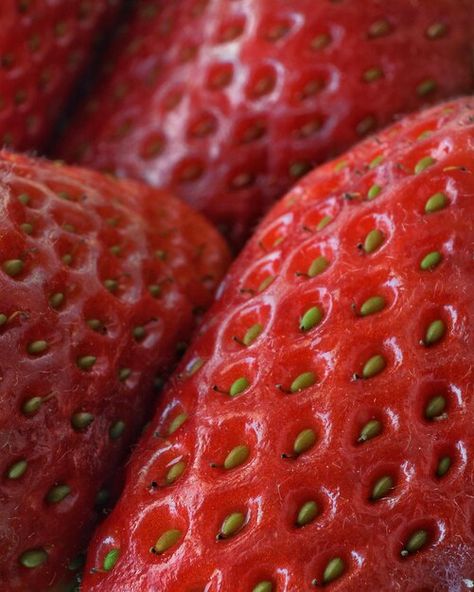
x=236, y=457
x=373, y=241
x=323, y=222
x=265, y=283
x=373, y=366
x=304, y=441
x=167, y=540
x=177, y=423
x=175, y=472
x=231, y=525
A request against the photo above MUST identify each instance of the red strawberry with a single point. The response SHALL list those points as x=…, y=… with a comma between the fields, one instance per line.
x=43, y=46
x=319, y=432
x=229, y=102
x=99, y=282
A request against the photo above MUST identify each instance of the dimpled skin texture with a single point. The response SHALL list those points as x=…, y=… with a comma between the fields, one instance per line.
x=230, y=102
x=43, y=46
x=338, y=470
x=102, y=245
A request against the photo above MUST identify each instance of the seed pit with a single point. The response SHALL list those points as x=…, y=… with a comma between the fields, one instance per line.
x=219, y=76
x=262, y=82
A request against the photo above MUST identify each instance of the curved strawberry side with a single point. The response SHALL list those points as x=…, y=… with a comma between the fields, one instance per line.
x=318, y=433
x=101, y=281
x=229, y=103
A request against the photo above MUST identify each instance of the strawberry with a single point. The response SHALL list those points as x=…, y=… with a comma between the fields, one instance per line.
x=228, y=103
x=43, y=46
x=318, y=432
x=99, y=282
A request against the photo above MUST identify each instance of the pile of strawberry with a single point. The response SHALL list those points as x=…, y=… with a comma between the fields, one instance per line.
x=317, y=432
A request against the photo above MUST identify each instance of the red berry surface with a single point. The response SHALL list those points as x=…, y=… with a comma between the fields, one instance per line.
x=100, y=280
x=318, y=434
x=229, y=102
x=43, y=46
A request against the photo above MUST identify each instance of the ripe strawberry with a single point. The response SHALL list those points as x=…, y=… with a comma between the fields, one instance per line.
x=229, y=102
x=319, y=432
x=99, y=282
x=43, y=46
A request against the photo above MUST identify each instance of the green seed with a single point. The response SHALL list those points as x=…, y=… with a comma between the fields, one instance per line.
x=373, y=241
x=379, y=28
x=320, y=42
x=56, y=300
x=265, y=586
x=236, y=457
x=252, y=334
x=175, y=472
x=341, y=165
x=33, y=558
x=32, y=406
x=323, y=223
x=374, y=191
x=195, y=366
x=435, y=332
x=423, y=164
x=371, y=429
x=167, y=540
x=307, y=513
x=111, y=285
x=334, y=570
x=416, y=541
x=311, y=318
x=376, y=161
x=373, y=366
x=239, y=386
x=155, y=290
x=443, y=467
x=319, y=265
x=231, y=525
x=382, y=487
x=111, y=559
x=303, y=381
x=160, y=254
x=436, y=30
x=27, y=228
x=57, y=494
x=13, y=267
x=431, y=260
x=65, y=195
x=102, y=498
x=86, y=362
x=265, y=283
x=123, y=374
x=436, y=202
x=299, y=168
x=81, y=420
x=177, y=423
x=67, y=259
x=37, y=347
x=17, y=469
x=3, y=319
x=115, y=250
x=425, y=88
x=304, y=441
x=24, y=198
x=372, y=74
x=372, y=305
x=435, y=407
x=116, y=430
x=139, y=333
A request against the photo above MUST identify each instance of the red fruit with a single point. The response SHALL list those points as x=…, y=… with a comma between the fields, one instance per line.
x=99, y=282
x=322, y=421
x=229, y=102
x=43, y=46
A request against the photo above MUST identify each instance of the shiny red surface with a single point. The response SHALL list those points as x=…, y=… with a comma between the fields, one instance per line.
x=229, y=102
x=44, y=45
x=338, y=471
x=104, y=213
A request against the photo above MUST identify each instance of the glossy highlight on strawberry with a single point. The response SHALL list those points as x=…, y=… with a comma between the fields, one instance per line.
x=101, y=281
x=230, y=102
x=318, y=433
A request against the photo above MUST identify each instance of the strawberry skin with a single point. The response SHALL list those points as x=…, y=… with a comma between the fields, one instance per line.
x=229, y=103
x=100, y=280
x=43, y=46
x=319, y=430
